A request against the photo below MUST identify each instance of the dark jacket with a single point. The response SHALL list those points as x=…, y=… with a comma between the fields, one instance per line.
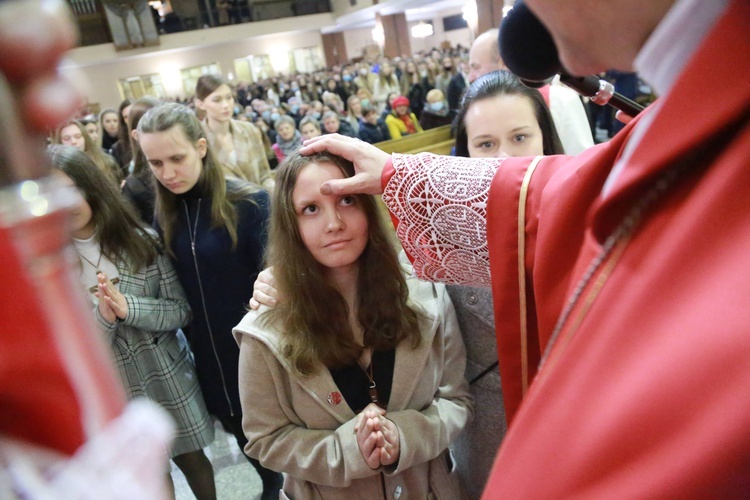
x=218, y=281
x=139, y=189
x=373, y=133
x=418, y=94
x=455, y=92
x=429, y=119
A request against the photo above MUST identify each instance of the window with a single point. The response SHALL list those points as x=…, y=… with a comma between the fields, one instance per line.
x=253, y=68
x=136, y=87
x=307, y=60
x=454, y=22
x=190, y=76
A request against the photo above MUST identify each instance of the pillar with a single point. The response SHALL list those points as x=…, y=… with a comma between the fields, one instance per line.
x=489, y=14
x=334, y=48
x=396, y=31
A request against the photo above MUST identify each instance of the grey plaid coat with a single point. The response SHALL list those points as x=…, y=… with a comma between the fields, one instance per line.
x=149, y=355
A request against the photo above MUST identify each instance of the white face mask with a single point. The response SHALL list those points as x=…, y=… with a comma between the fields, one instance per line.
x=363, y=71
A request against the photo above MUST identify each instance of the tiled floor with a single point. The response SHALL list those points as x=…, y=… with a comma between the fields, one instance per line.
x=235, y=478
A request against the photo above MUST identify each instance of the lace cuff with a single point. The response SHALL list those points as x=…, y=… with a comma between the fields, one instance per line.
x=441, y=206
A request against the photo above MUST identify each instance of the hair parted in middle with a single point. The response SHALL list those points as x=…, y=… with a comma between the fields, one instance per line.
x=211, y=181
x=503, y=82
x=314, y=316
x=207, y=85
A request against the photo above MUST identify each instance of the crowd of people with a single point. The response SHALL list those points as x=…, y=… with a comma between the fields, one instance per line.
x=198, y=176
x=616, y=361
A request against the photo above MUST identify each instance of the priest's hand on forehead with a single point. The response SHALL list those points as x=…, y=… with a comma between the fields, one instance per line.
x=368, y=160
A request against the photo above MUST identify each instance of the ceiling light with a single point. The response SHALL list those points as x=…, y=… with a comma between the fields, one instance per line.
x=421, y=30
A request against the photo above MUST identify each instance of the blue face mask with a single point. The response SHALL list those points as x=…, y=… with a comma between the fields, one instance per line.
x=347, y=78
x=436, y=106
x=295, y=109
x=266, y=115
x=316, y=115
x=274, y=117
x=365, y=103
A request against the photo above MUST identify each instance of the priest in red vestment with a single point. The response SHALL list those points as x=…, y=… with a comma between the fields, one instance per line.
x=621, y=277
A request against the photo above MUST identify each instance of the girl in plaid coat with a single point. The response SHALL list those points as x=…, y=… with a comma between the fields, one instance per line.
x=139, y=307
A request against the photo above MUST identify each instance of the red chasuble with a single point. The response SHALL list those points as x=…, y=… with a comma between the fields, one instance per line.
x=644, y=391
x=636, y=304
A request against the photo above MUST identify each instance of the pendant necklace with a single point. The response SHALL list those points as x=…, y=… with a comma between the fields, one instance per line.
x=373, y=390
x=94, y=288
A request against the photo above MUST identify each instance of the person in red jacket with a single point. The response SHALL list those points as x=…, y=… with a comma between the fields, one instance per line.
x=621, y=275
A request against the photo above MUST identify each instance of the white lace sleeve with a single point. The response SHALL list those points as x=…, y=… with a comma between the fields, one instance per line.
x=441, y=205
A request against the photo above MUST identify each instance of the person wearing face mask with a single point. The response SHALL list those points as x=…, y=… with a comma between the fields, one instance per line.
x=435, y=112
x=237, y=145
x=347, y=83
x=365, y=78
x=365, y=98
x=316, y=110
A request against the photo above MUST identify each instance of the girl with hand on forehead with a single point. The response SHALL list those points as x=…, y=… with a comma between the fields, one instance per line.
x=356, y=379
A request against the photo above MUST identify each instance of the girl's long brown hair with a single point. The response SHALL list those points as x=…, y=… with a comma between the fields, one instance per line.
x=121, y=235
x=314, y=315
x=211, y=181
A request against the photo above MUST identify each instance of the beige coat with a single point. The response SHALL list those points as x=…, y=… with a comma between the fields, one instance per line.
x=250, y=161
x=293, y=428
